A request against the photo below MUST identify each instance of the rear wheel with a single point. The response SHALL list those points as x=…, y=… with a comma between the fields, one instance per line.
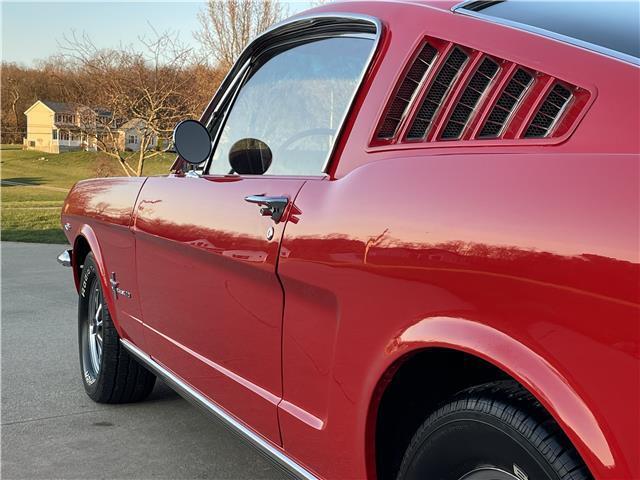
x=109, y=373
x=496, y=431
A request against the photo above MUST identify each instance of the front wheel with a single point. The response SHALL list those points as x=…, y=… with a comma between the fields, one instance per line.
x=109, y=373
x=496, y=431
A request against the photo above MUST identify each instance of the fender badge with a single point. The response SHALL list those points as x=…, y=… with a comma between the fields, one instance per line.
x=115, y=289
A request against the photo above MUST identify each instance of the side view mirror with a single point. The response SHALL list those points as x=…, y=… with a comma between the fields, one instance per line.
x=192, y=141
x=250, y=156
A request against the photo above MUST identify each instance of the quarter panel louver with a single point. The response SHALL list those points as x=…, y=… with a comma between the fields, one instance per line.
x=549, y=112
x=466, y=105
x=450, y=94
x=506, y=104
x=437, y=92
x=407, y=89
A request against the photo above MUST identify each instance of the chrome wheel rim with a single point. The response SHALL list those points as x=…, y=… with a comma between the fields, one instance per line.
x=94, y=331
x=488, y=473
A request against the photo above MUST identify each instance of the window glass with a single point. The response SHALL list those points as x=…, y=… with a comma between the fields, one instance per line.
x=611, y=24
x=295, y=103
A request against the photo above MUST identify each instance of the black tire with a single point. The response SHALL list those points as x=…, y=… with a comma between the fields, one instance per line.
x=114, y=376
x=493, y=431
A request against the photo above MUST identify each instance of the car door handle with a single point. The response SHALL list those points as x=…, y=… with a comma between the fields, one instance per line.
x=273, y=207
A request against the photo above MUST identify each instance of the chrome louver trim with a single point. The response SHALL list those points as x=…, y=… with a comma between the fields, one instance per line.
x=472, y=95
x=437, y=92
x=406, y=91
x=507, y=103
x=549, y=112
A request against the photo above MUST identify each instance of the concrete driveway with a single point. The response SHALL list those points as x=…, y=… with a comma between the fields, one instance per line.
x=51, y=429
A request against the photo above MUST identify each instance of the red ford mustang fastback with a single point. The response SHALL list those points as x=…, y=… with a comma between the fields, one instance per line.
x=401, y=242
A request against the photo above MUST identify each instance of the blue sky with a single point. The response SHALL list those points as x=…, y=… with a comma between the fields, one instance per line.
x=32, y=30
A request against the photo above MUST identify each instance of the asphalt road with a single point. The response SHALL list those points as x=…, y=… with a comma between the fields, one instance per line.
x=51, y=429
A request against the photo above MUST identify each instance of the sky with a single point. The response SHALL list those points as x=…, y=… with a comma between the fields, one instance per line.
x=33, y=30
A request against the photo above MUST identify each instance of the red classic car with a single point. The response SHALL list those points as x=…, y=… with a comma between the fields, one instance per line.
x=401, y=242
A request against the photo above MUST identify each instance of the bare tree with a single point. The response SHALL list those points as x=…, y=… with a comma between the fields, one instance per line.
x=14, y=93
x=228, y=26
x=151, y=89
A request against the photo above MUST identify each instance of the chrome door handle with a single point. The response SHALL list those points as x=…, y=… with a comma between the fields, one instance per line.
x=273, y=207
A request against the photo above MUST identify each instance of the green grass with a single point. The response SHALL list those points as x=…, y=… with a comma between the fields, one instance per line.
x=32, y=213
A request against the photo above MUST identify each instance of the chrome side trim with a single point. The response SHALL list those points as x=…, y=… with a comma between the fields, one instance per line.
x=197, y=398
x=460, y=8
x=64, y=258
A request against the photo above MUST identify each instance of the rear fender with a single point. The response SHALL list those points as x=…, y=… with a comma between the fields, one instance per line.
x=521, y=363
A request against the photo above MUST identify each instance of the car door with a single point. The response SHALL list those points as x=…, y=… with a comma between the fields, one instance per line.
x=207, y=246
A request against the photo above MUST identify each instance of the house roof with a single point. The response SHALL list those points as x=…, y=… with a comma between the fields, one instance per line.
x=137, y=123
x=61, y=107
x=67, y=107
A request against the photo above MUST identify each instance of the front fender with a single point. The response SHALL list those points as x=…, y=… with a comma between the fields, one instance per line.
x=86, y=233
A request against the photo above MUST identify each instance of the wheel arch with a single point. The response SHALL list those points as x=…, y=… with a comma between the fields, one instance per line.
x=481, y=353
x=87, y=241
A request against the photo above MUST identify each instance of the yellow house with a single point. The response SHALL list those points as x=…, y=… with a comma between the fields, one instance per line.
x=56, y=127
x=131, y=134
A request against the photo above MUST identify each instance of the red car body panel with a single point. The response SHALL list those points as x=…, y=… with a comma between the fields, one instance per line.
x=436, y=273
x=99, y=212
x=521, y=252
x=202, y=247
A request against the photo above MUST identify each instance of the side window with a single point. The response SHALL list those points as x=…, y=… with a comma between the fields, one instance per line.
x=295, y=102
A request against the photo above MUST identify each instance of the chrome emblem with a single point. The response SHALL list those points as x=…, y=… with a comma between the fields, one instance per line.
x=115, y=289
x=67, y=226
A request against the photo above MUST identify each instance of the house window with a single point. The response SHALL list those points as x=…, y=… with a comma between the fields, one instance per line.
x=64, y=135
x=55, y=134
x=65, y=118
x=133, y=139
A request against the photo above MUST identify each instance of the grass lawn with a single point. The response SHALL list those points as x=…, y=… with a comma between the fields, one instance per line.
x=31, y=213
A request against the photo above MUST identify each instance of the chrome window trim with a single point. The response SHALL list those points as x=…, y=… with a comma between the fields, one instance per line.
x=194, y=396
x=233, y=90
x=304, y=22
x=460, y=8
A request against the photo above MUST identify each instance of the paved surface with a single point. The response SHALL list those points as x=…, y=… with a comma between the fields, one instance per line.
x=51, y=429
x=24, y=184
